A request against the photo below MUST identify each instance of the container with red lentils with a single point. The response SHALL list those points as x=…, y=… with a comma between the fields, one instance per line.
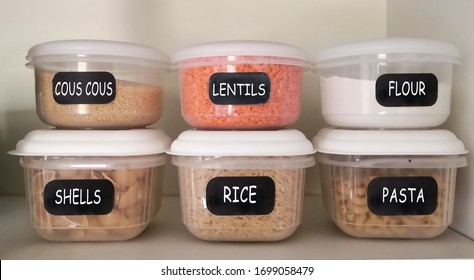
x=241, y=84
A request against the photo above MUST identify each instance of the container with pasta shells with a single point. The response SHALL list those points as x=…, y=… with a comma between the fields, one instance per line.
x=92, y=185
x=242, y=185
x=389, y=184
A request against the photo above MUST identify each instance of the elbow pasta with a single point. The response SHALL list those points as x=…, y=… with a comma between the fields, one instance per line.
x=277, y=225
x=345, y=198
x=137, y=200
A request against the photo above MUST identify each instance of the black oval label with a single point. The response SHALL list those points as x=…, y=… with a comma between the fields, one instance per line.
x=406, y=90
x=391, y=196
x=239, y=88
x=84, y=87
x=79, y=197
x=245, y=195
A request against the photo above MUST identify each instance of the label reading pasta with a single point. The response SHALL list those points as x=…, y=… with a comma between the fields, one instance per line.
x=79, y=197
x=240, y=195
x=84, y=87
x=239, y=88
x=391, y=196
x=406, y=90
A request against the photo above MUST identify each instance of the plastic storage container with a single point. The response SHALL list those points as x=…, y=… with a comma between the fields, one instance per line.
x=92, y=185
x=241, y=84
x=98, y=84
x=387, y=83
x=242, y=185
x=396, y=184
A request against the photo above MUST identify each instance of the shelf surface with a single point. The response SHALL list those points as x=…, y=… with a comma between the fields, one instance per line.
x=166, y=237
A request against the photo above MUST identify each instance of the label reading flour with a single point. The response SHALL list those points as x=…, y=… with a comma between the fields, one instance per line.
x=406, y=90
x=240, y=195
x=79, y=197
x=239, y=88
x=84, y=87
x=392, y=196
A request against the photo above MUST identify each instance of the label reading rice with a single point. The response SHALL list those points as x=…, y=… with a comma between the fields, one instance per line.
x=239, y=88
x=79, y=197
x=84, y=87
x=240, y=195
x=406, y=90
x=392, y=196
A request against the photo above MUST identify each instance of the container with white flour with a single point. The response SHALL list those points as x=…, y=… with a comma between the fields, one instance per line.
x=387, y=83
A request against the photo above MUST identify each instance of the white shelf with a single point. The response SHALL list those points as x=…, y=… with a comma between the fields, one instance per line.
x=167, y=238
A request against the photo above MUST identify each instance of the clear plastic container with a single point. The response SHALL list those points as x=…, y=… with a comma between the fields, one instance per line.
x=242, y=185
x=393, y=83
x=241, y=84
x=98, y=84
x=93, y=185
x=389, y=184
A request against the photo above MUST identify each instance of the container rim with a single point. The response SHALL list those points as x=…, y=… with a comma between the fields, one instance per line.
x=388, y=142
x=244, y=162
x=133, y=142
x=267, y=51
x=378, y=50
x=95, y=51
x=285, y=142
x=399, y=161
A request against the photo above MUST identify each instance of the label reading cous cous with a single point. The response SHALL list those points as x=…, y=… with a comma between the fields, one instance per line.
x=391, y=196
x=239, y=88
x=84, y=87
x=406, y=90
x=240, y=195
x=79, y=197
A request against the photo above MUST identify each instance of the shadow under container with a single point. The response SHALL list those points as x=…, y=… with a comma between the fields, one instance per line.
x=389, y=184
x=242, y=185
x=395, y=83
x=241, y=84
x=98, y=84
x=94, y=185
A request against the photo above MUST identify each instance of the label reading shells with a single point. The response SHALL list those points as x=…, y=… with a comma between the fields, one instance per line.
x=84, y=87
x=406, y=90
x=240, y=195
x=79, y=197
x=392, y=196
x=239, y=88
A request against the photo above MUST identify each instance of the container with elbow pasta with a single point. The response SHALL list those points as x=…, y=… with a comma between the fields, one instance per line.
x=93, y=185
x=242, y=185
x=389, y=184
x=241, y=84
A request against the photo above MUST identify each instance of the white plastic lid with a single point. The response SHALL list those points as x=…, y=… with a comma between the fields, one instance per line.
x=388, y=142
x=95, y=50
x=279, y=52
x=93, y=143
x=288, y=142
x=437, y=51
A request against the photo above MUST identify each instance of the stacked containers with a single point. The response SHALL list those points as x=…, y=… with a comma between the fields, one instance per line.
x=96, y=175
x=384, y=171
x=241, y=173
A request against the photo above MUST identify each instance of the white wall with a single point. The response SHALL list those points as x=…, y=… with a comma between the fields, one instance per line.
x=167, y=25
x=450, y=21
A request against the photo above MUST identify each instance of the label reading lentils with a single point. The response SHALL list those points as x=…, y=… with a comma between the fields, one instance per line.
x=79, y=197
x=240, y=195
x=84, y=87
x=406, y=90
x=391, y=196
x=239, y=88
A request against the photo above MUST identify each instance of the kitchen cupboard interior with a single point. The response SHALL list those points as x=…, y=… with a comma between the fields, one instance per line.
x=170, y=25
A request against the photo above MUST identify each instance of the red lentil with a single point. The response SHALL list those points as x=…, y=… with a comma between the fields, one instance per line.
x=282, y=109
